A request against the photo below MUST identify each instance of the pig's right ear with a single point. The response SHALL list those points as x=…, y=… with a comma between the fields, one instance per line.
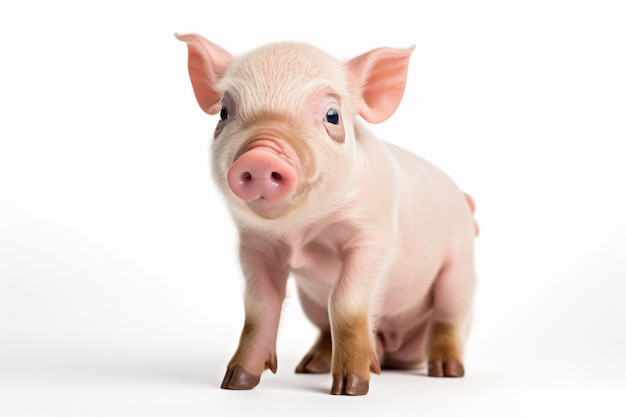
x=207, y=63
x=381, y=74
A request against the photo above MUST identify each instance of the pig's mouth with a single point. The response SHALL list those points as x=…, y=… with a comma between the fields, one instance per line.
x=264, y=176
x=268, y=209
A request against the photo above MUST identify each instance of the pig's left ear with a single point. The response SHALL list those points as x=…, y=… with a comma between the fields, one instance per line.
x=382, y=76
x=207, y=63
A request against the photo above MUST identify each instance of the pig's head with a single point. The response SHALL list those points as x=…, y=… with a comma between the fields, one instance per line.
x=285, y=144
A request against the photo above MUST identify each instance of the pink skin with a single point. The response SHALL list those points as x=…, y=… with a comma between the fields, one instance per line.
x=262, y=172
x=379, y=241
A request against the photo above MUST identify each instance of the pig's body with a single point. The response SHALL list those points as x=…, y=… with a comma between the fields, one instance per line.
x=379, y=241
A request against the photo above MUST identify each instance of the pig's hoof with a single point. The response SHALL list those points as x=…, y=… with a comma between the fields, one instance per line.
x=238, y=378
x=450, y=368
x=314, y=364
x=351, y=384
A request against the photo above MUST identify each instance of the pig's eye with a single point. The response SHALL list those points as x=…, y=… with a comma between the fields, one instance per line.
x=224, y=113
x=332, y=116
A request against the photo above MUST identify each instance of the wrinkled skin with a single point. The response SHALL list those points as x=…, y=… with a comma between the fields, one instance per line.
x=379, y=241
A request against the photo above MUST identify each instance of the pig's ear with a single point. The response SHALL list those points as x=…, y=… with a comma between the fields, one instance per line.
x=382, y=75
x=207, y=63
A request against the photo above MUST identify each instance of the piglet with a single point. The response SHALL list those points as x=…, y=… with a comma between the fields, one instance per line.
x=379, y=241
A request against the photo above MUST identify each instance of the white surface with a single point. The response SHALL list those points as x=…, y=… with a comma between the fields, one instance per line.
x=119, y=289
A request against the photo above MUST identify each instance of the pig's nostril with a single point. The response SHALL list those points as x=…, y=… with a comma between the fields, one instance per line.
x=260, y=173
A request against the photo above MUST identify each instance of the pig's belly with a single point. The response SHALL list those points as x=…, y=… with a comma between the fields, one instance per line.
x=403, y=309
x=315, y=281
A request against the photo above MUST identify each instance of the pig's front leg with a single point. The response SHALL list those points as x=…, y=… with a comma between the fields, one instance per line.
x=353, y=352
x=265, y=291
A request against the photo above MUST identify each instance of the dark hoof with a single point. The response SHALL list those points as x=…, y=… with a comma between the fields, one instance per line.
x=313, y=364
x=238, y=378
x=451, y=368
x=349, y=385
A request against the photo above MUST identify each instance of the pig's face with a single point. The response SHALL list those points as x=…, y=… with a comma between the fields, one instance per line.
x=284, y=138
x=284, y=146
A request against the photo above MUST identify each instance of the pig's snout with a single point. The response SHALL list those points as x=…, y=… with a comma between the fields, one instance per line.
x=262, y=172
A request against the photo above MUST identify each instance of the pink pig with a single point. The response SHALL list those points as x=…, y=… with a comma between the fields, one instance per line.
x=379, y=241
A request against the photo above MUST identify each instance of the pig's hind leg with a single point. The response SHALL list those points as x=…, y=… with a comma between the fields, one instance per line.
x=453, y=294
x=318, y=358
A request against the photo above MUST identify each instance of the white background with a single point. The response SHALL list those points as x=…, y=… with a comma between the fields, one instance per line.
x=119, y=288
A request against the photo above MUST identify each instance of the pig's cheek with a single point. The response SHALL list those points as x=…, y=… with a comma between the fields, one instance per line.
x=218, y=129
x=222, y=156
x=335, y=131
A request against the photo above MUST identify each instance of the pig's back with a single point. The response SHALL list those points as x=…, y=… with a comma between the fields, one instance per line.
x=434, y=224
